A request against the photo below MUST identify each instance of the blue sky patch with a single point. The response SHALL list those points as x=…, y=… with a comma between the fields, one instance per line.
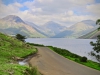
x=23, y=8
x=97, y=1
x=12, y=1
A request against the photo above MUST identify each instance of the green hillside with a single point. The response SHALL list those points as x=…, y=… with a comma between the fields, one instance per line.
x=10, y=49
x=91, y=35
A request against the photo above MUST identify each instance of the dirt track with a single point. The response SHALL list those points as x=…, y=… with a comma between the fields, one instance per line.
x=50, y=63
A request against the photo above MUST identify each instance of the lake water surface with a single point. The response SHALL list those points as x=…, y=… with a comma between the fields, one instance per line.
x=78, y=46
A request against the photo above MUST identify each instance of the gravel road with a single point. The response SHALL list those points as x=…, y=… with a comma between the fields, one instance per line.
x=50, y=63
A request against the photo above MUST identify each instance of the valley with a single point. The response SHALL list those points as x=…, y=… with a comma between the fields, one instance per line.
x=13, y=25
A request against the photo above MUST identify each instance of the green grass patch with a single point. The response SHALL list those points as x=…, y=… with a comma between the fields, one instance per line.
x=32, y=71
x=9, y=48
x=33, y=44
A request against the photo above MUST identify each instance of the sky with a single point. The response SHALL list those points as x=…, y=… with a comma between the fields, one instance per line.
x=64, y=12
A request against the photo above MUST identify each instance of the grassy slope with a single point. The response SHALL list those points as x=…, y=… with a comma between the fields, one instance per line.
x=9, y=48
x=91, y=35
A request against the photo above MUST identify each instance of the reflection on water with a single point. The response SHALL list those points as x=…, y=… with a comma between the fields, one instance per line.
x=78, y=46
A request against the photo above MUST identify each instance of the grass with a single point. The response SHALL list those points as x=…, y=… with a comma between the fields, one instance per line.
x=9, y=48
x=32, y=71
x=92, y=64
x=12, y=69
x=75, y=57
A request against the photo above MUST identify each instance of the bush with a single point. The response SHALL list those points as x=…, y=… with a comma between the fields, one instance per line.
x=83, y=59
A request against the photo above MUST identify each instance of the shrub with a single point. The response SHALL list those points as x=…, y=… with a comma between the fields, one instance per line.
x=83, y=59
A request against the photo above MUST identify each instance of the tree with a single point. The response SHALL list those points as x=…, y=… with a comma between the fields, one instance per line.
x=20, y=37
x=96, y=48
x=98, y=23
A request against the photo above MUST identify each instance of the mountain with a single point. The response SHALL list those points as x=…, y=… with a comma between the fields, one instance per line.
x=89, y=22
x=63, y=34
x=40, y=29
x=13, y=18
x=13, y=25
x=91, y=35
x=77, y=30
x=52, y=28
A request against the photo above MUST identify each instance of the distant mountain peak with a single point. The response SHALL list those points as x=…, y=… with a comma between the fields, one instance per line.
x=13, y=18
x=89, y=22
x=51, y=24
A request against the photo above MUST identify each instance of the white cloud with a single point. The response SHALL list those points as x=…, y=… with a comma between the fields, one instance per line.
x=69, y=13
x=81, y=2
x=9, y=9
x=57, y=6
x=43, y=1
x=36, y=10
x=61, y=11
x=94, y=8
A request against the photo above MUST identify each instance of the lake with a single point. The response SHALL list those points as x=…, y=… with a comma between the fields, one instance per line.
x=78, y=46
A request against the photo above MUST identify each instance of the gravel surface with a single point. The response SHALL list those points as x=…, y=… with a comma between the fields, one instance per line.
x=50, y=63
